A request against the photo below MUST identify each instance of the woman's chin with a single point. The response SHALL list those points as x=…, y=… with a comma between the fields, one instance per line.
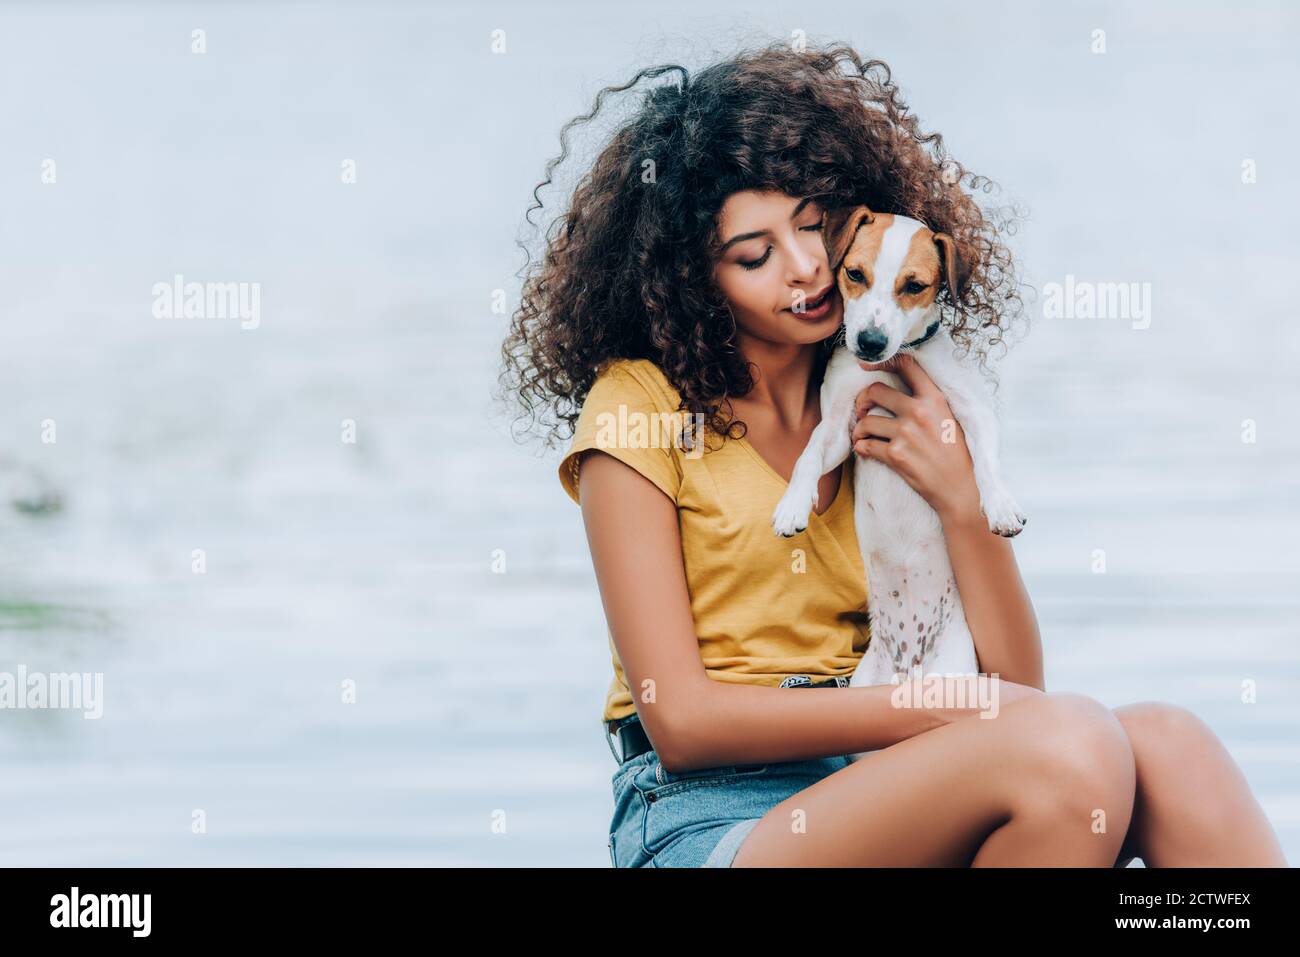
x=808, y=334
x=813, y=330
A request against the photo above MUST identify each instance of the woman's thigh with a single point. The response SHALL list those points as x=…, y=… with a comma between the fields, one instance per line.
x=679, y=818
x=933, y=799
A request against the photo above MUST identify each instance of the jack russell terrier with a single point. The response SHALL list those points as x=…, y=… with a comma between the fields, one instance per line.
x=888, y=269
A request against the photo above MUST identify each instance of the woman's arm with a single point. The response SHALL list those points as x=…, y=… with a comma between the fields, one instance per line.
x=998, y=611
x=692, y=720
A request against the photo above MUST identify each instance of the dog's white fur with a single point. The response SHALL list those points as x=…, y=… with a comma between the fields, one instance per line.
x=915, y=613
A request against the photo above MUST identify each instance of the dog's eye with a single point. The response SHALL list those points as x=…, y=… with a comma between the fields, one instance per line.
x=913, y=287
x=855, y=275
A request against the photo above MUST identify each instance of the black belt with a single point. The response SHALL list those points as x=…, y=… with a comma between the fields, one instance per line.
x=632, y=740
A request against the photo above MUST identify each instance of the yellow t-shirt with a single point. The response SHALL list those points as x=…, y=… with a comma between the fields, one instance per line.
x=765, y=607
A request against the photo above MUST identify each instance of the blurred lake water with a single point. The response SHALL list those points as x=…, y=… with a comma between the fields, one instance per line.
x=474, y=736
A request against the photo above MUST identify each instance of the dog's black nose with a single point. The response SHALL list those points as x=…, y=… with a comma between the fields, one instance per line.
x=871, y=343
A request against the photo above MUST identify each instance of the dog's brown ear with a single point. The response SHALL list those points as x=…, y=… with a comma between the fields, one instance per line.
x=839, y=227
x=951, y=264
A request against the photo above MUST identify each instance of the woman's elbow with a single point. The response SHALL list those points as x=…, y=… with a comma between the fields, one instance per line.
x=674, y=735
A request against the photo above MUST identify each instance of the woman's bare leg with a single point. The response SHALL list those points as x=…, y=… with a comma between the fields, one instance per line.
x=1193, y=807
x=1048, y=782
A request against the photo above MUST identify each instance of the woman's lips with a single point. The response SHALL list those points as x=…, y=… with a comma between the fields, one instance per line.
x=820, y=311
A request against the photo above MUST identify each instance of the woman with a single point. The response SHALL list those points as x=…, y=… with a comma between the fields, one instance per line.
x=686, y=280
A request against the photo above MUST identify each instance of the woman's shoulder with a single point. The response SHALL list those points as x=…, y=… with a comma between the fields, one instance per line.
x=638, y=375
x=624, y=415
x=642, y=371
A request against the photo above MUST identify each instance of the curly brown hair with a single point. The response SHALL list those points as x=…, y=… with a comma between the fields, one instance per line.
x=628, y=267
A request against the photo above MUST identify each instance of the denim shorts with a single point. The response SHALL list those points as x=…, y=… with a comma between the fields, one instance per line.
x=698, y=818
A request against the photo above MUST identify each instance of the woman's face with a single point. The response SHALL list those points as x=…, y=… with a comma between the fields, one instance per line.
x=773, y=268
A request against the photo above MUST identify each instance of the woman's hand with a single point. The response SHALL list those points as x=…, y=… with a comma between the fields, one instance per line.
x=983, y=693
x=922, y=442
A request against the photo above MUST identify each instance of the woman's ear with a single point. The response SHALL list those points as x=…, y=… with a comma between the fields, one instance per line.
x=839, y=228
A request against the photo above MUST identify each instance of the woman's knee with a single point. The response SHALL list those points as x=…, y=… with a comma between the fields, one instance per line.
x=1157, y=724
x=1079, y=752
x=1174, y=748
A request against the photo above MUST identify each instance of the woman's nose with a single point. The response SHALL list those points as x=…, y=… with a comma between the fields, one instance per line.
x=804, y=266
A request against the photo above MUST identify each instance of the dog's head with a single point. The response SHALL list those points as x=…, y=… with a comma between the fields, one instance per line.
x=888, y=269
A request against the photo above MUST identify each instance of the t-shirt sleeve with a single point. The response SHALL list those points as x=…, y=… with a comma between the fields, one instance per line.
x=622, y=417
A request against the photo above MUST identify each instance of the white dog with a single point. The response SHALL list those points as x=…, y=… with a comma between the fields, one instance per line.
x=888, y=269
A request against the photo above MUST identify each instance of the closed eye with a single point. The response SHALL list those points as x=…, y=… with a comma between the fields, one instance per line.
x=755, y=263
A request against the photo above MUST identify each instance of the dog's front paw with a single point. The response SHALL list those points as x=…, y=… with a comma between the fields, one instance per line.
x=791, y=515
x=1004, y=515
